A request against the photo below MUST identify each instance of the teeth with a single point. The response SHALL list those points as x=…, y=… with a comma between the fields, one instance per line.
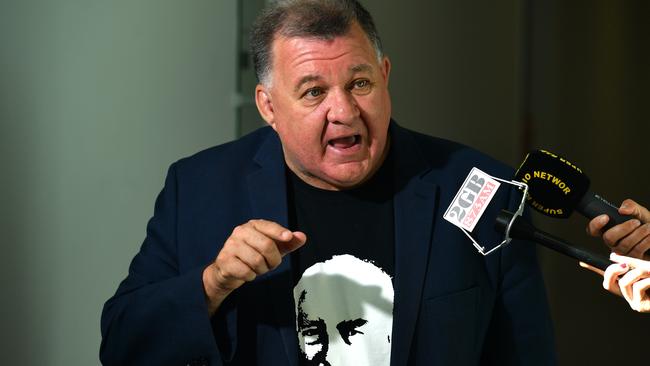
x=344, y=142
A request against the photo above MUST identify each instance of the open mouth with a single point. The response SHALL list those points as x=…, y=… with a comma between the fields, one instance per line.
x=345, y=142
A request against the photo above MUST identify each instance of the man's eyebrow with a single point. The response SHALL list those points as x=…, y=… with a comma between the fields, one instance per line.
x=304, y=80
x=361, y=68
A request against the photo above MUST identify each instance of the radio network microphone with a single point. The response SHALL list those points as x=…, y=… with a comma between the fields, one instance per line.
x=522, y=229
x=557, y=187
x=471, y=201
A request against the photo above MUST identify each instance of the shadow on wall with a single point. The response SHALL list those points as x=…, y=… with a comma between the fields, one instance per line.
x=24, y=188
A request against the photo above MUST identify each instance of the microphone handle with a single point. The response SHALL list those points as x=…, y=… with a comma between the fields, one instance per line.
x=563, y=247
x=592, y=205
x=522, y=229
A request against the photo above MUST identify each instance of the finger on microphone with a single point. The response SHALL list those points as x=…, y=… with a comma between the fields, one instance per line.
x=632, y=262
x=626, y=282
x=636, y=239
x=628, y=207
x=612, y=275
x=596, y=225
x=641, y=292
x=615, y=235
x=632, y=208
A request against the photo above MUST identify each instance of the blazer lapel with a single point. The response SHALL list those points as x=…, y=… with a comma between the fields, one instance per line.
x=415, y=205
x=268, y=198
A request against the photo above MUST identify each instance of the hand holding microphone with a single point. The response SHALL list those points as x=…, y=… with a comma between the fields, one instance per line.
x=631, y=238
x=558, y=187
x=629, y=278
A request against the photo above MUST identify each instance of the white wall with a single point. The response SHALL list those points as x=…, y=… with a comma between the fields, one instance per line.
x=97, y=98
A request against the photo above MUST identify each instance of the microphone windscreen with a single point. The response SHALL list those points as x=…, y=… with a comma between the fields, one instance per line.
x=555, y=185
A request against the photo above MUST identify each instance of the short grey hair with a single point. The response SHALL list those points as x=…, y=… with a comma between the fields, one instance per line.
x=323, y=19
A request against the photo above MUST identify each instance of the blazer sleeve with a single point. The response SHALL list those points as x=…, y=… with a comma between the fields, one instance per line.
x=520, y=331
x=159, y=316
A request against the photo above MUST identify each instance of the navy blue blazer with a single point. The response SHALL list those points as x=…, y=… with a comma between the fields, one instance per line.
x=452, y=305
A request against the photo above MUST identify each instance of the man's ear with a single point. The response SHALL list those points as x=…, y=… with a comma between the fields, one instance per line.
x=385, y=68
x=264, y=104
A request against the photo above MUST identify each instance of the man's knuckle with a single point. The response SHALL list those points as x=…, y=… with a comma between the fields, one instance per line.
x=645, y=242
x=256, y=222
x=223, y=274
x=230, y=242
x=238, y=230
x=250, y=276
x=268, y=245
x=644, y=230
x=275, y=260
x=258, y=261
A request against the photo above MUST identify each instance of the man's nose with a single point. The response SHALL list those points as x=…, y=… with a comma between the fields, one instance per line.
x=343, y=108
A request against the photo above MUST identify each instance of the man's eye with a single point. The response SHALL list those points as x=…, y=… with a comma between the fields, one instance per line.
x=310, y=332
x=360, y=84
x=348, y=328
x=313, y=335
x=313, y=93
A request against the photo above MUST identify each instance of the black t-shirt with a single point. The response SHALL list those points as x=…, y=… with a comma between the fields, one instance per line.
x=343, y=274
x=359, y=221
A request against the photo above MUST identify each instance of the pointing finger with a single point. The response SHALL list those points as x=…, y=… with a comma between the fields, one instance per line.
x=272, y=229
x=298, y=239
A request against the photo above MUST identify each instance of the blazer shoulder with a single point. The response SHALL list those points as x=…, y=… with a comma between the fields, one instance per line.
x=447, y=155
x=234, y=155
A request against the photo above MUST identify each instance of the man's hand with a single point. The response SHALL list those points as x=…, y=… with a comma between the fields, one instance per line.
x=252, y=249
x=631, y=238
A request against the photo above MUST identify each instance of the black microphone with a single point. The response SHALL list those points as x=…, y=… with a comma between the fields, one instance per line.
x=557, y=187
x=522, y=229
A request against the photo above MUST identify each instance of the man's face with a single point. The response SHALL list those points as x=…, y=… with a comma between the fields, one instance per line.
x=328, y=100
x=344, y=309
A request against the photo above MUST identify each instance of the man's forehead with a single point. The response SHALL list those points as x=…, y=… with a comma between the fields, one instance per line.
x=295, y=50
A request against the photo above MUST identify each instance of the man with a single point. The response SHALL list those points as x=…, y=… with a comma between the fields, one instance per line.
x=239, y=228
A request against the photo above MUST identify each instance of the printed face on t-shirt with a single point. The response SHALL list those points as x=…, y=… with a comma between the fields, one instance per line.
x=344, y=313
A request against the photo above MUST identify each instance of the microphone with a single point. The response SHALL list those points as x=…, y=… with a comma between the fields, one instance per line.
x=522, y=229
x=557, y=187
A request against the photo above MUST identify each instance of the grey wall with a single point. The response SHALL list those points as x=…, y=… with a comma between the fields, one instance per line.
x=97, y=98
x=456, y=69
